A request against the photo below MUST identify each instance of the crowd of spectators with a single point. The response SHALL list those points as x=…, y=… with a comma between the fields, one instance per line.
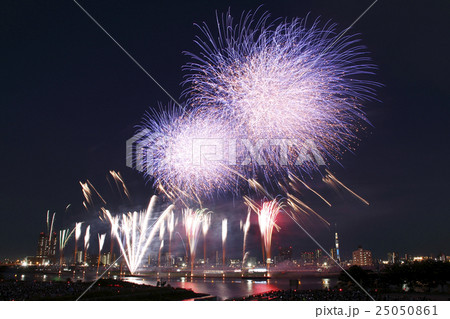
x=326, y=295
x=38, y=290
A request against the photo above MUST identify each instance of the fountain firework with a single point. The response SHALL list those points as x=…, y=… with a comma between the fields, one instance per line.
x=245, y=228
x=267, y=216
x=101, y=241
x=170, y=228
x=205, y=228
x=77, y=236
x=161, y=238
x=64, y=236
x=193, y=220
x=87, y=237
x=50, y=226
x=134, y=232
x=224, y=238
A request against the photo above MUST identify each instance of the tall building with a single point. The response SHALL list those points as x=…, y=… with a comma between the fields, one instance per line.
x=318, y=258
x=393, y=258
x=51, y=246
x=46, y=250
x=362, y=257
x=333, y=253
x=336, y=243
x=42, y=245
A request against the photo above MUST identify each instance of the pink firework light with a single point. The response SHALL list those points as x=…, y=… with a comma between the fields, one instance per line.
x=87, y=238
x=300, y=85
x=267, y=217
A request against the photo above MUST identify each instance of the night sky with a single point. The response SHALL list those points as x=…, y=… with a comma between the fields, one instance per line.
x=70, y=98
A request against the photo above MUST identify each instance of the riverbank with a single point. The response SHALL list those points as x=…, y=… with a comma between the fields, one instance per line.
x=339, y=295
x=103, y=290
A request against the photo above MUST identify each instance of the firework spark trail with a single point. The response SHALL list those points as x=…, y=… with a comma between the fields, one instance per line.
x=134, y=234
x=224, y=238
x=87, y=237
x=119, y=180
x=77, y=236
x=50, y=231
x=300, y=206
x=206, y=223
x=87, y=193
x=267, y=217
x=245, y=228
x=193, y=220
x=293, y=177
x=333, y=178
x=101, y=241
x=285, y=81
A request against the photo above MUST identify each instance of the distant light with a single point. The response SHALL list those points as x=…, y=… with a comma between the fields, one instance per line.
x=257, y=270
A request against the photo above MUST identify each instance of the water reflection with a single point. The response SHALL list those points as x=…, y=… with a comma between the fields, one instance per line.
x=232, y=287
x=222, y=287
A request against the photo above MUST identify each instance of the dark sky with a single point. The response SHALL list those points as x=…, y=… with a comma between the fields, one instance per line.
x=70, y=98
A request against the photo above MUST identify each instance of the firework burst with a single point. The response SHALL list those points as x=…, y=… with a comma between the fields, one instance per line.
x=182, y=155
x=302, y=86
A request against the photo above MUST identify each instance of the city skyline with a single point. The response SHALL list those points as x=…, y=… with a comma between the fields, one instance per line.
x=72, y=99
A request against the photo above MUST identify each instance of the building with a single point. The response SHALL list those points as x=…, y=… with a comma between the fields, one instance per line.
x=42, y=245
x=333, y=253
x=46, y=249
x=362, y=257
x=285, y=253
x=318, y=256
x=393, y=258
x=307, y=258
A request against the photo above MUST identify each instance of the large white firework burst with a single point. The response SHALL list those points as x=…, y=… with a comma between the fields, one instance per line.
x=289, y=81
x=188, y=153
